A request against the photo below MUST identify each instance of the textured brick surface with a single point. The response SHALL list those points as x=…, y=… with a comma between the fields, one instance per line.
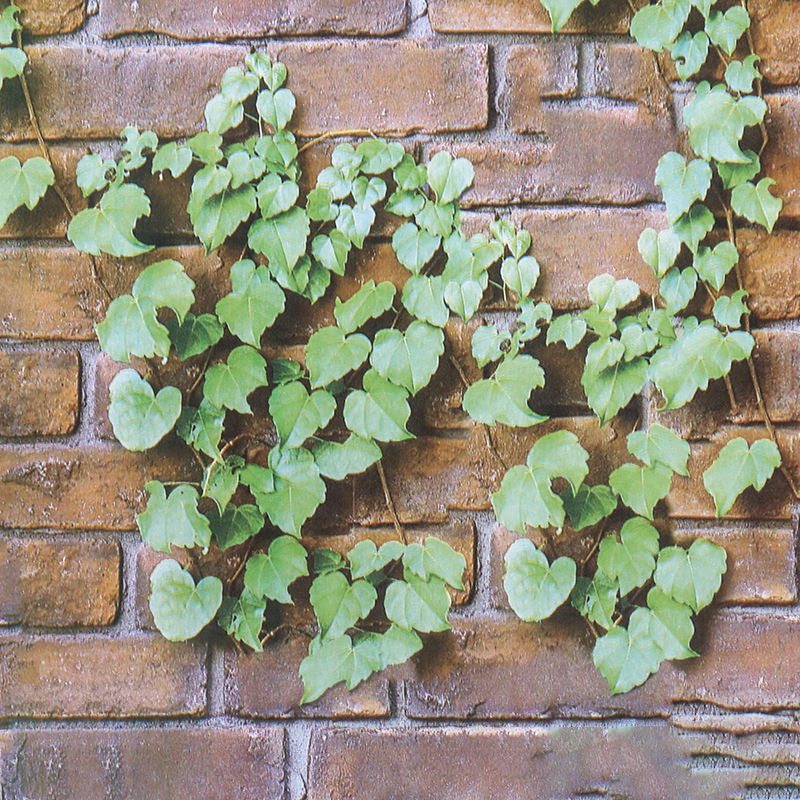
x=41, y=17
x=58, y=584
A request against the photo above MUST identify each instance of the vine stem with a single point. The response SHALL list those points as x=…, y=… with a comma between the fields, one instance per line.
x=241, y=565
x=48, y=157
x=201, y=375
x=333, y=134
x=726, y=378
x=759, y=90
x=390, y=503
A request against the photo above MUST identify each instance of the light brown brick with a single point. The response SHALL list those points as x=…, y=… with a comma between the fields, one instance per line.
x=43, y=17
x=82, y=488
x=204, y=20
x=156, y=763
x=775, y=26
x=58, y=584
x=781, y=159
x=547, y=70
x=41, y=392
x=51, y=677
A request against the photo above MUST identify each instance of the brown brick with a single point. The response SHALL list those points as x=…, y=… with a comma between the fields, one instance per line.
x=188, y=19
x=520, y=16
x=63, y=301
x=43, y=17
x=154, y=763
x=781, y=159
x=626, y=759
x=101, y=677
x=58, y=584
x=548, y=70
x=41, y=392
x=776, y=40
x=771, y=272
x=629, y=73
x=139, y=85
x=82, y=488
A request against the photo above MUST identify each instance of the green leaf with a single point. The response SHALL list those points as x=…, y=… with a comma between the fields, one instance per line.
x=657, y=26
x=660, y=445
x=671, y=625
x=222, y=113
x=716, y=122
x=236, y=525
x=463, y=298
x=368, y=191
x=244, y=168
x=282, y=239
x=139, y=418
x=338, y=604
x=520, y=275
x=596, y=599
x=280, y=153
x=330, y=354
x=379, y=412
x=418, y=604
x=568, y=329
x=221, y=480
x=181, y=609
x=632, y=559
x=504, y=397
x=271, y=574
x=327, y=560
x=202, y=428
x=692, y=577
x=526, y=496
x=254, y=303
x=414, y=248
x=237, y=84
x=109, y=227
x=378, y=155
x=739, y=75
x=328, y=662
x=94, y=173
x=449, y=178
x=195, y=335
x=713, y=265
x=728, y=311
x=588, y=505
x=368, y=302
x=690, y=53
x=682, y=183
x=331, y=251
x=610, y=294
x=12, y=63
x=626, y=658
x=9, y=24
x=535, y=588
x=136, y=147
x=660, y=249
x=698, y=355
x=725, y=29
x=437, y=219
x=693, y=226
x=365, y=558
x=409, y=175
x=243, y=618
x=640, y=488
x=734, y=174
x=531, y=314
x=637, y=341
x=320, y=206
x=171, y=157
x=489, y=344
x=228, y=385
x=612, y=388
x=756, y=204
x=206, y=146
x=603, y=353
x=423, y=298
x=435, y=558
x=738, y=466
x=355, y=223
x=217, y=216
x=408, y=359
x=298, y=415
x=677, y=289
x=560, y=11
x=298, y=490
x=276, y=108
x=337, y=461
x=374, y=652
x=275, y=196
x=405, y=204
x=174, y=521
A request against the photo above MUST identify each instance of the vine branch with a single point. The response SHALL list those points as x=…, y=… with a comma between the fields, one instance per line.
x=390, y=503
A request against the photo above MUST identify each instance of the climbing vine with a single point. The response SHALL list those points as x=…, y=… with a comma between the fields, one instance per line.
x=354, y=388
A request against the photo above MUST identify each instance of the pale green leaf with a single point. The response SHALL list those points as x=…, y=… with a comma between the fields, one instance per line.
x=631, y=560
x=489, y=344
x=337, y=461
x=739, y=75
x=228, y=385
x=682, y=183
x=423, y=298
x=660, y=445
x=368, y=302
x=609, y=294
x=93, y=173
x=568, y=329
x=677, y=289
x=596, y=599
x=449, y=178
x=12, y=63
x=657, y=26
x=331, y=250
x=714, y=264
x=365, y=558
x=691, y=576
x=330, y=354
x=611, y=389
x=756, y=203
x=355, y=223
x=378, y=155
x=173, y=521
x=276, y=108
x=689, y=53
x=725, y=29
x=734, y=174
x=408, y=359
x=414, y=248
x=9, y=24
x=297, y=414
x=728, y=311
x=195, y=335
x=275, y=196
x=271, y=574
x=338, y=604
x=520, y=275
x=435, y=557
x=693, y=226
x=463, y=298
x=202, y=427
x=639, y=487
x=660, y=249
x=171, y=157
x=418, y=604
x=670, y=625
x=243, y=617
x=282, y=239
x=379, y=412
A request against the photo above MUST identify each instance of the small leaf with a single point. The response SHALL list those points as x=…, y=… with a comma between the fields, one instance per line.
x=640, y=488
x=423, y=298
x=228, y=385
x=327, y=560
x=222, y=113
x=365, y=558
x=276, y=108
x=181, y=609
x=206, y=146
x=693, y=226
x=677, y=289
x=9, y=24
x=437, y=219
x=327, y=663
x=195, y=335
x=713, y=265
x=660, y=249
x=728, y=311
x=612, y=388
x=236, y=525
x=739, y=75
x=338, y=604
x=202, y=428
x=421, y=605
x=588, y=505
x=282, y=239
x=756, y=204
x=275, y=196
x=682, y=183
x=408, y=359
x=536, y=588
x=355, y=223
x=174, y=521
x=243, y=618
x=692, y=577
x=725, y=29
x=320, y=206
x=435, y=558
x=596, y=599
x=630, y=560
x=337, y=461
x=330, y=354
x=568, y=329
x=12, y=63
x=560, y=11
x=379, y=412
x=489, y=344
x=298, y=415
x=520, y=275
x=660, y=445
x=271, y=574
x=671, y=625
x=378, y=155
x=368, y=302
x=657, y=26
x=331, y=251
x=735, y=174
x=171, y=157
x=610, y=294
x=368, y=191
x=449, y=178
x=414, y=247
x=94, y=173
x=690, y=53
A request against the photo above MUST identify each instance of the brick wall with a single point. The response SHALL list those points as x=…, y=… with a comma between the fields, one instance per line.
x=565, y=132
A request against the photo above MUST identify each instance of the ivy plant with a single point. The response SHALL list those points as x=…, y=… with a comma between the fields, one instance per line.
x=354, y=389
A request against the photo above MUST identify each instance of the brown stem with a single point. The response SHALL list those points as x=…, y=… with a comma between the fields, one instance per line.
x=200, y=376
x=332, y=134
x=241, y=565
x=271, y=634
x=390, y=503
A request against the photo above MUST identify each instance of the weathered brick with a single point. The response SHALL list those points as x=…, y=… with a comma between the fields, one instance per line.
x=140, y=83
x=775, y=38
x=101, y=677
x=82, y=488
x=781, y=159
x=41, y=392
x=519, y=16
x=161, y=763
x=43, y=17
x=207, y=20
x=63, y=301
x=548, y=69
x=629, y=73
x=58, y=584
x=645, y=761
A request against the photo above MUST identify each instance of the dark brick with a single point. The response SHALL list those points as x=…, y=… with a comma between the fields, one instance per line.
x=58, y=584
x=151, y=763
x=51, y=677
x=204, y=20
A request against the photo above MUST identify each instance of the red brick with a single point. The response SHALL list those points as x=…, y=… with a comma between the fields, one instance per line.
x=82, y=488
x=140, y=83
x=41, y=392
x=101, y=677
x=520, y=16
x=58, y=584
x=154, y=763
x=43, y=17
x=204, y=20
x=770, y=272
x=547, y=70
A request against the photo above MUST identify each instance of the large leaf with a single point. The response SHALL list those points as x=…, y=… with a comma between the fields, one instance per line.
x=271, y=574
x=671, y=624
x=738, y=466
x=640, y=488
x=660, y=445
x=330, y=354
x=682, y=183
x=282, y=239
x=354, y=455
x=612, y=388
x=173, y=521
x=338, y=604
x=536, y=588
x=691, y=576
x=140, y=418
x=228, y=385
x=408, y=359
x=23, y=184
x=368, y=302
x=379, y=412
x=435, y=557
x=418, y=604
x=298, y=414
x=631, y=560
x=180, y=608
